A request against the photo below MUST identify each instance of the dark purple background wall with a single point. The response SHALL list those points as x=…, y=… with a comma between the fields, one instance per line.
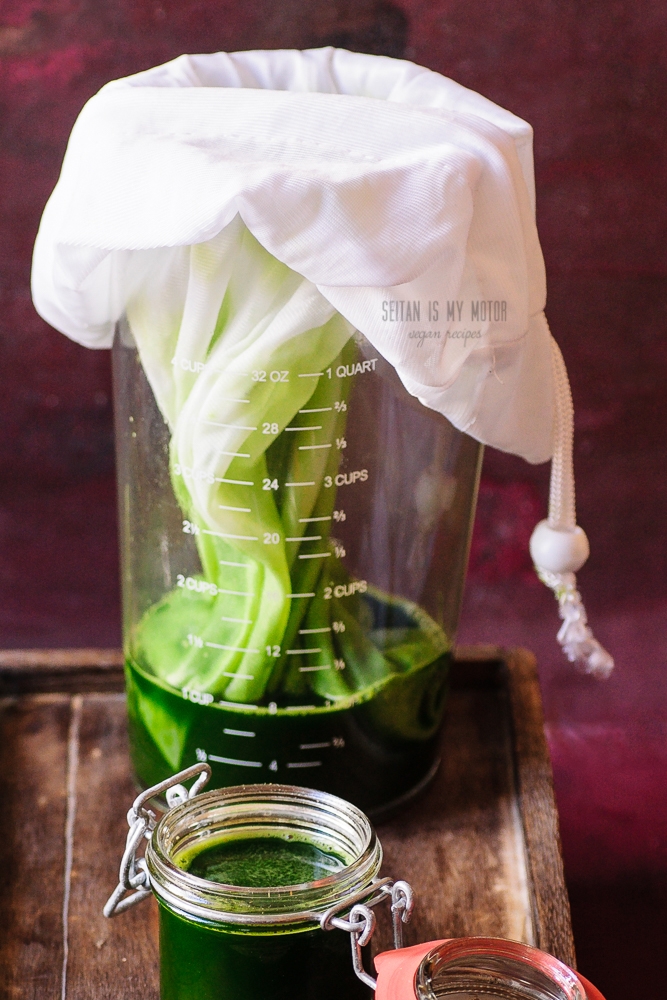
x=592, y=80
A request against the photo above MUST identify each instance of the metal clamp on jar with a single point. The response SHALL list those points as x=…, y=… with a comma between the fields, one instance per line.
x=247, y=878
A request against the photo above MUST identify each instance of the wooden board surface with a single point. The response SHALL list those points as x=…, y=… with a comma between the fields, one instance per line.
x=480, y=846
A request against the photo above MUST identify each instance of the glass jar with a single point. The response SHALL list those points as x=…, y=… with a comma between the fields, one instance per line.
x=475, y=967
x=234, y=923
x=291, y=588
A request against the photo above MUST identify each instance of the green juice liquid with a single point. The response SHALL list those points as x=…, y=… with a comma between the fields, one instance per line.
x=370, y=751
x=263, y=862
x=204, y=961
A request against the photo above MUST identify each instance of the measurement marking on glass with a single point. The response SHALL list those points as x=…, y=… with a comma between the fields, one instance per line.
x=318, y=409
x=307, y=520
x=311, y=375
x=239, y=621
x=314, y=746
x=230, y=399
x=315, y=427
x=301, y=595
x=305, y=763
x=313, y=631
x=238, y=732
x=241, y=510
x=313, y=447
x=231, y=760
x=223, y=534
x=234, y=482
x=310, y=670
x=230, y=427
x=238, y=704
x=235, y=454
x=305, y=538
x=234, y=649
x=301, y=652
x=226, y=562
x=300, y=484
x=304, y=708
x=236, y=593
x=316, y=555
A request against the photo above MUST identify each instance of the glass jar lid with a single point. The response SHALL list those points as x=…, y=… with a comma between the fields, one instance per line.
x=252, y=813
x=472, y=968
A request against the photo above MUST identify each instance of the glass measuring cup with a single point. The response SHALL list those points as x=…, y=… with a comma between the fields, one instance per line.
x=293, y=551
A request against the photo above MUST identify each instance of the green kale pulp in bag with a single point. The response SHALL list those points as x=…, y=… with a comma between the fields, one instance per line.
x=242, y=374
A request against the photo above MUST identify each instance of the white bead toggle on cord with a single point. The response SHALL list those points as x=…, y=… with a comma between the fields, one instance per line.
x=558, y=546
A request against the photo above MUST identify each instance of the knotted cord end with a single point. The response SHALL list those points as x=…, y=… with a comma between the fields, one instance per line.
x=575, y=636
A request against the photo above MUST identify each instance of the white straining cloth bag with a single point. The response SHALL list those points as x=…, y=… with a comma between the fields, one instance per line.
x=384, y=187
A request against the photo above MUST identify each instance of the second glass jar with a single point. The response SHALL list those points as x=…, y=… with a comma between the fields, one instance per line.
x=259, y=938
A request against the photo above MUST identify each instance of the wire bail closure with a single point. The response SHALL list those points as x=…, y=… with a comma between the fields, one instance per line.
x=361, y=921
x=133, y=876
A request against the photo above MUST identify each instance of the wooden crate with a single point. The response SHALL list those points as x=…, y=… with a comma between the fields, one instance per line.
x=480, y=846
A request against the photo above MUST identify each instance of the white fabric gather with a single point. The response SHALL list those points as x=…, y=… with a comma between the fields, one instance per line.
x=373, y=178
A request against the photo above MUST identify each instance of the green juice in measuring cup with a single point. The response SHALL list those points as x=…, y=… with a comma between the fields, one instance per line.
x=367, y=745
x=202, y=960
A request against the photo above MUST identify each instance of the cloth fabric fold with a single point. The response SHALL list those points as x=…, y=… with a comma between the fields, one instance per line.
x=406, y=200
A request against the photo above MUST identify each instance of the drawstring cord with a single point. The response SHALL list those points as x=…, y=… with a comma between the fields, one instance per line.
x=558, y=546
